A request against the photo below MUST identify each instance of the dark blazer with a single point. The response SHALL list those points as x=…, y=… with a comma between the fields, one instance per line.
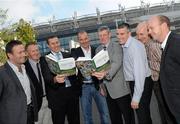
x=36, y=83
x=13, y=104
x=77, y=52
x=170, y=73
x=57, y=92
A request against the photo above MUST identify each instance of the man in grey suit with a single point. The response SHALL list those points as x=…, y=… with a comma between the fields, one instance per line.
x=118, y=92
x=17, y=94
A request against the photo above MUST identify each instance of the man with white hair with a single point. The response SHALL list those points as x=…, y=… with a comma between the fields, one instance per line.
x=153, y=50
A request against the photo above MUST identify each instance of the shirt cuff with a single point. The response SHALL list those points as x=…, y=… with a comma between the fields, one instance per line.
x=136, y=98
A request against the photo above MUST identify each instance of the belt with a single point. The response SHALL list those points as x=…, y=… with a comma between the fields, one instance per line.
x=30, y=113
x=30, y=107
x=43, y=95
x=88, y=83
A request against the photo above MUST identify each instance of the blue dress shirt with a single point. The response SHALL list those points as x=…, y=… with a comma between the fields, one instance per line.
x=135, y=65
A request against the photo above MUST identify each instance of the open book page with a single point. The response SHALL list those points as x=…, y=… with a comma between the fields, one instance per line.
x=67, y=66
x=85, y=66
x=63, y=67
x=101, y=61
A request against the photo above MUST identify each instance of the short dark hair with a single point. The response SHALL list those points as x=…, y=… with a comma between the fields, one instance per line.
x=11, y=44
x=124, y=25
x=29, y=44
x=80, y=32
x=50, y=37
x=102, y=28
x=164, y=19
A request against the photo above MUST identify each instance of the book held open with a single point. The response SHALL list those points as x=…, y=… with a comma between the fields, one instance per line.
x=64, y=66
x=100, y=62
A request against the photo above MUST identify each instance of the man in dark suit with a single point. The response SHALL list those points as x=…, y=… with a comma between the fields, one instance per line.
x=17, y=95
x=33, y=68
x=159, y=28
x=90, y=84
x=62, y=93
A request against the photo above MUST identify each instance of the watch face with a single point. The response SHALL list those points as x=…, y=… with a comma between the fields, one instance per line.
x=107, y=76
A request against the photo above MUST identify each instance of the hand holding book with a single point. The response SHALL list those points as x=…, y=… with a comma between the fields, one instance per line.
x=99, y=63
x=59, y=79
x=100, y=75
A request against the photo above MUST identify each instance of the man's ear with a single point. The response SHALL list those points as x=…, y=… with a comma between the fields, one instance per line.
x=9, y=55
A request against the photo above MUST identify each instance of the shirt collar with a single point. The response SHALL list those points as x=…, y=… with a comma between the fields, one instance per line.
x=106, y=45
x=163, y=45
x=54, y=53
x=32, y=61
x=85, y=51
x=14, y=67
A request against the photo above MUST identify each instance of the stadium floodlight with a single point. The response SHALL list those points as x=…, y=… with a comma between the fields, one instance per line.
x=98, y=16
x=75, y=20
x=51, y=23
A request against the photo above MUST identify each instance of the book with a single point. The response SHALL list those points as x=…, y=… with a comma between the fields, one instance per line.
x=64, y=66
x=100, y=62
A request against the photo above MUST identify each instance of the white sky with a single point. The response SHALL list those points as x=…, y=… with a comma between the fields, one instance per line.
x=44, y=10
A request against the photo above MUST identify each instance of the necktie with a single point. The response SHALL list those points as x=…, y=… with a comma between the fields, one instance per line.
x=20, y=70
x=39, y=74
x=161, y=49
x=58, y=56
x=105, y=48
x=67, y=82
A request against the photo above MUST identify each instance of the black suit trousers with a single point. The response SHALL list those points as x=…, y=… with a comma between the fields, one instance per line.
x=120, y=107
x=143, y=112
x=166, y=115
x=30, y=114
x=68, y=107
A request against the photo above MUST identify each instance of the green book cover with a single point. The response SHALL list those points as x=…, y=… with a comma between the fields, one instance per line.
x=63, y=67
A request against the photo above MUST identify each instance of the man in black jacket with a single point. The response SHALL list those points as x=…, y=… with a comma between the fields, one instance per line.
x=62, y=93
x=159, y=28
x=33, y=68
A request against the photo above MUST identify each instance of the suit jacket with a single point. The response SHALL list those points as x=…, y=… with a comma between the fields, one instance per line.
x=57, y=92
x=170, y=73
x=115, y=83
x=13, y=104
x=38, y=87
x=77, y=52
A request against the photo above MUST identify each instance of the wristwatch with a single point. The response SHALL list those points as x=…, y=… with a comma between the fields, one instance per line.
x=107, y=76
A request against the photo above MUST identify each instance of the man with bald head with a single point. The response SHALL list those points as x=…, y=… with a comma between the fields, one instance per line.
x=89, y=84
x=159, y=28
x=153, y=50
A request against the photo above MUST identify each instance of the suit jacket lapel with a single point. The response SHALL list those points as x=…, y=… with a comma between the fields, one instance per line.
x=99, y=48
x=31, y=73
x=80, y=52
x=109, y=48
x=92, y=52
x=13, y=76
x=166, y=49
